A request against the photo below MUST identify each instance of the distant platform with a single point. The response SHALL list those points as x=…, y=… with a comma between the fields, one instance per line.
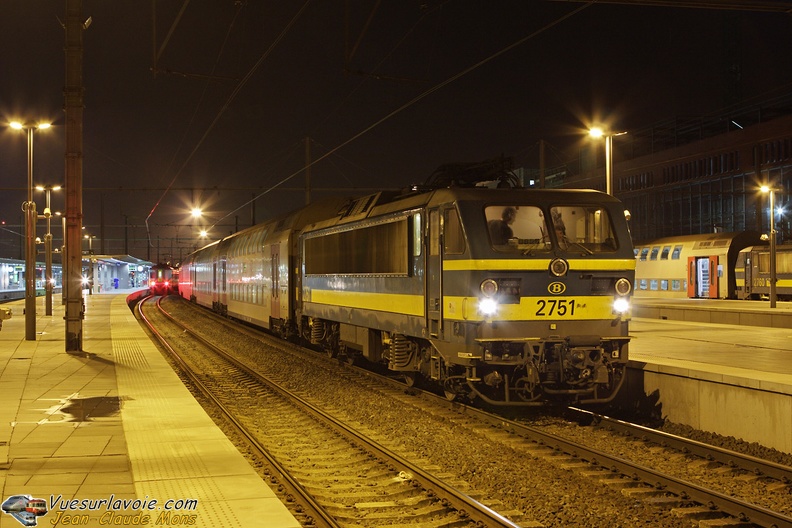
x=719, y=311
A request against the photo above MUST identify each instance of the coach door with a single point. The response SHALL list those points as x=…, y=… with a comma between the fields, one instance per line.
x=703, y=277
x=434, y=275
x=275, y=289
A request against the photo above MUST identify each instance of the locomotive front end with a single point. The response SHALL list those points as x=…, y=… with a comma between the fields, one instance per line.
x=544, y=315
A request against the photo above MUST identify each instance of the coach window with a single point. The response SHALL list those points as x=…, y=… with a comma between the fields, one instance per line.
x=665, y=252
x=453, y=236
x=655, y=251
x=676, y=253
x=644, y=252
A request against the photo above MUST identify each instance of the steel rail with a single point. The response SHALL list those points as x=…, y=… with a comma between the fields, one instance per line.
x=728, y=457
x=458, y=500
x=736, y=508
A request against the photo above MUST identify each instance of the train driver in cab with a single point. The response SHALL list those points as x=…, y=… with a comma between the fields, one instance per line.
x=500, y=229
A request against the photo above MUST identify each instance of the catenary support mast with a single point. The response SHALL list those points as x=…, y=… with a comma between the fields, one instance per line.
x=73, y=105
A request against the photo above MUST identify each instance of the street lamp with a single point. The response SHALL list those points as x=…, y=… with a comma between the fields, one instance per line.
x=89, y=238
x=29, y=207
x=597, y=133
x=91, y=264
x=48, y=247
x=766, y=189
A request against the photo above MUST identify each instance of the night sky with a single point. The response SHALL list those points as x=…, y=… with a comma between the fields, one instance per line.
x=240, y=85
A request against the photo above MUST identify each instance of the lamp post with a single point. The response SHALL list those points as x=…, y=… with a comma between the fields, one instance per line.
x=48, y=247
x=597, y=133
x=766, y=189
x=64, y=263
x=89, y=238
x=91, y=263
x=29, y=207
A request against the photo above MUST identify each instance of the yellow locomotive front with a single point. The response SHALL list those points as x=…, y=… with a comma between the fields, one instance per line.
x=535, y=289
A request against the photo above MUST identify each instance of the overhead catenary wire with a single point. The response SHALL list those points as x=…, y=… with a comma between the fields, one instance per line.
x=411, y=102
x=226, y=105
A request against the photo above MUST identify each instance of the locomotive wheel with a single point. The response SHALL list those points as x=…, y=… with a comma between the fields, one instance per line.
x=454, y=388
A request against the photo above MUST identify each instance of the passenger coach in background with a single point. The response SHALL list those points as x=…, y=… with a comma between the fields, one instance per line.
x=711, y=266
x=413, y=280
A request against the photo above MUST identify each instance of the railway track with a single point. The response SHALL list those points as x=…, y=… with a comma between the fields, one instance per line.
x=531, y=446
x=345, y=477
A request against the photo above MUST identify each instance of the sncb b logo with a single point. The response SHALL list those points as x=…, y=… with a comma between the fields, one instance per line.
x=556, y=288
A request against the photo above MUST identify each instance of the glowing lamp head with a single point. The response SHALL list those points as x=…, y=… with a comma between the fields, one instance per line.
x=488, y=307
x=621, y=306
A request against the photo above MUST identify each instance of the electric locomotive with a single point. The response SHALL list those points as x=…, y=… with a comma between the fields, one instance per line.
x=515, y=296
x=752, y=270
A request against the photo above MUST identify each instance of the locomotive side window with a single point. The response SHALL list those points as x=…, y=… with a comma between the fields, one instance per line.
x=676, y=253
x=375, y=249
x=453, y=235
x=783, y=262
x=516, y=228
x=434, y=233
x=416, y=235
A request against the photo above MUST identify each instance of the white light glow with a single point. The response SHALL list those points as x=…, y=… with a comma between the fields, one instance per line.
x=621, y=306
x=488, y=307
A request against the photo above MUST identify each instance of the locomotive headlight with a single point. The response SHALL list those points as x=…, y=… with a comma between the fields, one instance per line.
x=489, y=288
x=621, y=305
x=559, y=267
x=623, y=286
x=488, y=307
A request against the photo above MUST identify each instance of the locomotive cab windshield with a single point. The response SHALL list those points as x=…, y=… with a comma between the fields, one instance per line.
x=528, y=228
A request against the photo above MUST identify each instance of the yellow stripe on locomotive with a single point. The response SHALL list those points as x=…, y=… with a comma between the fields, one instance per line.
x=567, y=308
x=536, y=265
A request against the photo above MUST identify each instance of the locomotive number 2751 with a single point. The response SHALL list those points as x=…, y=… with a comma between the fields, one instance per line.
x=555, y=307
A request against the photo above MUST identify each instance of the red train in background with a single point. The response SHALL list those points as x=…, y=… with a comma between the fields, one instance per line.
x=163, y=280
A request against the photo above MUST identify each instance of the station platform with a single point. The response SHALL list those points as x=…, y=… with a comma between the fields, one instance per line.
x=733, y=379
x=111, y=436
